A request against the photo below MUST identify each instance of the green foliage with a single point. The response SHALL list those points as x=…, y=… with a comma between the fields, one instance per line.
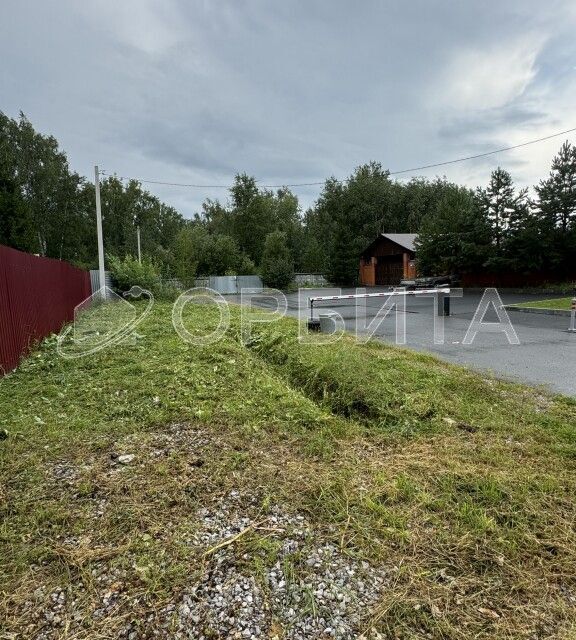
x=48, y=209
x=197, y=251
x=166, y=291
x=314, y=256
x=220, y=255
x=246, y=267
x=556, y=211
x=501, y=230
x=128, y=272
x=343, y=261
x=350, y=215
x=231, y=239
x=277, y=267
x=185, y=256
x=557, y=194
x=124, y=207
x=455, y=238
x=41, y=196
x=252, y=216
x=499, y=202
x=16, y=229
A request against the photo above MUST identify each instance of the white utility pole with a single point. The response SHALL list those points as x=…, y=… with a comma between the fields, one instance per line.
x=138, y=241
x=101, y=270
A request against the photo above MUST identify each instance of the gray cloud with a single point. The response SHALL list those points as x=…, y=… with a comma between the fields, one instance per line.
x=290, y=92
x=476, y=125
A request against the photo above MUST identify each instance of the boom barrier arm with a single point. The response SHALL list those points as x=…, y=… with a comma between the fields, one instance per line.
x=443, y=308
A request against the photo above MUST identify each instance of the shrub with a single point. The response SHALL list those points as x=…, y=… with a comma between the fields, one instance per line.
x=128, y=272
x=277, y=266
x=246, y=267
x=166, y=291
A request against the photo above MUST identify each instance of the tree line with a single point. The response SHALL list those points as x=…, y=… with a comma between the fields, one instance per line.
x=502, y=229
x=48, y=209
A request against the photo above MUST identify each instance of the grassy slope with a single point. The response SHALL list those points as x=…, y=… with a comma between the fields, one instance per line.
x=461, y=486
x=555, y=303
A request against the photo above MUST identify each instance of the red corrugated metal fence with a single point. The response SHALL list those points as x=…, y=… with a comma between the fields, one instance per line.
x=37, y=296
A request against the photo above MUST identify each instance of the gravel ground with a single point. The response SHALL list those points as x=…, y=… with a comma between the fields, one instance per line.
x=327, y=594
x=311, y=590
x=260, y=574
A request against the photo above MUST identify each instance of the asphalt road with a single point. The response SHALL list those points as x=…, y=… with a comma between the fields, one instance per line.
x=545, y=355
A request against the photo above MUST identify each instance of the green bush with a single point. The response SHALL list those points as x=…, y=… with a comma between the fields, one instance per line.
x=246, y=267
x=166, y=291
x=277, y=266
x=127, y=272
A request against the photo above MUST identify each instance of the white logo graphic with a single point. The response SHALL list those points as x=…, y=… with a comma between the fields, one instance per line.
x=103, y=320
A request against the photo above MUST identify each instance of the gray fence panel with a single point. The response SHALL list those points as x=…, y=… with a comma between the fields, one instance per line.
x=95, y=280
x=223, y=284
x=314, y=279
x=249, y=282
x=230, y=284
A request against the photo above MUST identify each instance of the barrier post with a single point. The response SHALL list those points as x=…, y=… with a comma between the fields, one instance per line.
x=572, y=328
x=313, y=323
x=443, y=304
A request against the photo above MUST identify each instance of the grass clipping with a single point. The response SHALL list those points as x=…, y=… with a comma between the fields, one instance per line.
x=460, y=488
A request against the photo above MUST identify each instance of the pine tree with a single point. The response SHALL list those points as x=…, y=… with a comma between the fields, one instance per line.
x=499, y=204
x=344, y=260
x=454, y=238
x=557, y=194
x=520, y=213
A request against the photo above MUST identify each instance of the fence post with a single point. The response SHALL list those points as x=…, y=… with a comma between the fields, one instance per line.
x=101, y=273
x=572, y=327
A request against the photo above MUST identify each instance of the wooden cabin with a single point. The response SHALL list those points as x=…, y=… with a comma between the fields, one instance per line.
x=389, y=259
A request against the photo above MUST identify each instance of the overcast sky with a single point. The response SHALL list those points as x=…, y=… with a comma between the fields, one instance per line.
x=293, y=91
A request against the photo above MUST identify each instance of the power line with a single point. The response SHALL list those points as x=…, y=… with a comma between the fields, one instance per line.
x=483, y=155
x=392, y=173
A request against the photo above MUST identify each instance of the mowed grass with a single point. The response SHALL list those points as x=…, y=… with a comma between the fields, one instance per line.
x=461, y=486
x=554, y=303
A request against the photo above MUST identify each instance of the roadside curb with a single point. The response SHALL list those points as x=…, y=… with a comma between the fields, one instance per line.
x=545, y=312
